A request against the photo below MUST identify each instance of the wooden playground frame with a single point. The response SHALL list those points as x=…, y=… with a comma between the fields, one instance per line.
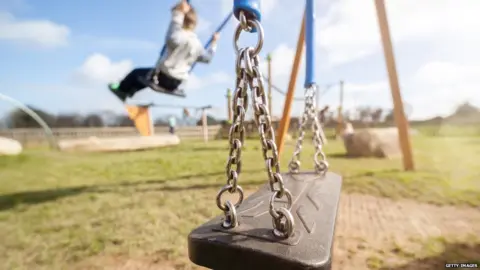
x=140, y=114
x=398, y=107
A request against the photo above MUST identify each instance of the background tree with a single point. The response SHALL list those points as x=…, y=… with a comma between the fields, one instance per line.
x=19, y=119
x=376, y=115
x=389, y=117
x=210, y=121
x=93, y=120
x=466, y=109
x=124, y=121
x=68, y=120
x=364, y=114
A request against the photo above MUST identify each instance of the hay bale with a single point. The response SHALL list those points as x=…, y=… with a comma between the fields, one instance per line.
x=348, y=129
x=395, y=130
x=9, y=147
x=379, y=142
x=132, y=143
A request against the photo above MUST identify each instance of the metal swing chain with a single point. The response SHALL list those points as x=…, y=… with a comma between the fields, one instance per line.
x=250, y=74
x=236, y=138
x=319, y=139
x=283, y=222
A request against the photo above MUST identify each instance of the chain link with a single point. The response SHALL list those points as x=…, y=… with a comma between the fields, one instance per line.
x=236, y=141
x=319, y=139
x=250, y=77
x=283, y=221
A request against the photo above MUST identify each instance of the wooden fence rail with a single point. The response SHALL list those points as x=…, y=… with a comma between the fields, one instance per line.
x=29, y=136
x=35, y=136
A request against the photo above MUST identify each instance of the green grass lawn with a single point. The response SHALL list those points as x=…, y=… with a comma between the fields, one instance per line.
x=57, y=209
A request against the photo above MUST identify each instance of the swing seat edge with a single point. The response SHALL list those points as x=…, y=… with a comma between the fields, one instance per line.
x=177, y=92
x=252, y=245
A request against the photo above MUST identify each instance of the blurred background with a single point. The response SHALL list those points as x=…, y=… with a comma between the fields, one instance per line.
x=76, y=194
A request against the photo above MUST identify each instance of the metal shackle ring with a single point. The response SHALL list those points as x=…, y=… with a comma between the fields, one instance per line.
x=272, y=210
x=228, y=188
x=288, y=227
x=259, y=45
x=231, y=218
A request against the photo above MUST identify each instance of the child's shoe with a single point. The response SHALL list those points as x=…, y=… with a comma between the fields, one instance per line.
x=113, y=87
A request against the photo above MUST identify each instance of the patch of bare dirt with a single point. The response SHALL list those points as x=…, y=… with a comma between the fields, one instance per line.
x=371, y=233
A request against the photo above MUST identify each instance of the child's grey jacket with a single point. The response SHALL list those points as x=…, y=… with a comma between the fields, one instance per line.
x=183, y=50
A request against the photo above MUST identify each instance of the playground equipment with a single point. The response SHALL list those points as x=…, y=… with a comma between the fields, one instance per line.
x=140, y=114
x=229, y=105
x=277, y=89
x=121, y=144
x=36, y=117
x=399, y=113
x=302, y=205
x=284, y=93
x=180, y=92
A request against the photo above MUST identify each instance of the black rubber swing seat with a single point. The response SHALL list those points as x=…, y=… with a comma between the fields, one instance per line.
x=252, y=244
x=178, y=92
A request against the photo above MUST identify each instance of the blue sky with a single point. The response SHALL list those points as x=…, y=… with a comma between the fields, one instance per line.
x=59, y=55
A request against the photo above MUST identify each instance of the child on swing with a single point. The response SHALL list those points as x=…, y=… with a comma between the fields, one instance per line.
x=183, y=49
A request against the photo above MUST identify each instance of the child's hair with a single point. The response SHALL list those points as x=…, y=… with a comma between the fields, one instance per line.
x=190, y=20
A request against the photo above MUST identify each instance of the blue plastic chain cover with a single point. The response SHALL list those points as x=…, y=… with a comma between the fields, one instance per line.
x=251, y=9
x=310, y=43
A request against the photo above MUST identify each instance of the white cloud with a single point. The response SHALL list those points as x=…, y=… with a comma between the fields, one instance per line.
x=448, y=74
x=99, y=69
x=87, y=91
x=268, y=6
x=282, y=63
x=282, y=60
x=349, y=30
x=366, y=88
x=44, y=33
x=437, y=88
x=441, y=86
x=375, y=94
x=203, y=83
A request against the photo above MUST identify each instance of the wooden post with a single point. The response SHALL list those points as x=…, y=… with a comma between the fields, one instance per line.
x=204, y=125
x=340, y=113
x=287, y=107
x=398, y=110
x=269, y=61
x=229, y=105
